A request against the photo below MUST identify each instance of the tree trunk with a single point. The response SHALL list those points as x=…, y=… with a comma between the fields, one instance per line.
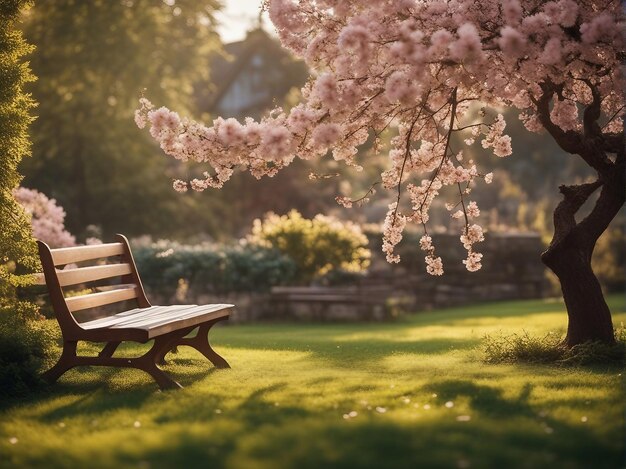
x=569, y=253
x=589, y=315
x=569, y=257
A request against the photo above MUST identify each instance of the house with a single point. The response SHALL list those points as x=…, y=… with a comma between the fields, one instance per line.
x=250, y=77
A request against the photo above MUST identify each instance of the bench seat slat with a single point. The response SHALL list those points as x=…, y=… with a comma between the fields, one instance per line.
x=108, y=321
x=157, y=320
x=144, y=317
x=166, y=315
x=152, y=314
x=90, y=274
x=217, y=311
x=65, y=256
x=94, y=300
x=118, y=318
x=150, y=323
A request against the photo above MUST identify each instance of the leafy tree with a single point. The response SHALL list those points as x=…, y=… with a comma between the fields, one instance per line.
x=420, y=66
x=93, y=60
x=24, y=342
x=17, y=246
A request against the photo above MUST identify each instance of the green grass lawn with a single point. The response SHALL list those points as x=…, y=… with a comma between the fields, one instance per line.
x=413, y=393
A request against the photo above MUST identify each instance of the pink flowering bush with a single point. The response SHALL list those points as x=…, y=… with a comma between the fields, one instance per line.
x=47, y=218
x=423, y=67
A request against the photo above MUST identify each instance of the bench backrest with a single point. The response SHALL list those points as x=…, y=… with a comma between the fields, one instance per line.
x=130, y=288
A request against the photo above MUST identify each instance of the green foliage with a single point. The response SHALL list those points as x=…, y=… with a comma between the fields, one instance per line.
x=317, y=246
x=24, y=347
x=207, y=268
x=24, y=342
x=93, y=60
x=340, y=277
x=523, y=348
x=17, y=247
x=16, y=243
x=549, y=349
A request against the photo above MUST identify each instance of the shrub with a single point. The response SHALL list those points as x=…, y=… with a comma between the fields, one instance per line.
x=523, y=348
x=47, y=218
x=207, y=268
x=23, y=341
x=340, y=277
x=25, y=345
x=549, y=349
x=317, y=246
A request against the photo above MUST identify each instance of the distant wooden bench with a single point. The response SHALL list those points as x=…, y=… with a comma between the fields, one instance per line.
x=367, y=301
x=168, y=326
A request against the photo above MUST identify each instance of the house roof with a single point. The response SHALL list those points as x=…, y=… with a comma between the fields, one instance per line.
x=236, y=56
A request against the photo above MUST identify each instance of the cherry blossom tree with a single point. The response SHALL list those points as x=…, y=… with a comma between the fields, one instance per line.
x=425, y=67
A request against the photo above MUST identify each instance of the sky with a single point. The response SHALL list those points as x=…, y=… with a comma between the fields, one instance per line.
x=237, y=17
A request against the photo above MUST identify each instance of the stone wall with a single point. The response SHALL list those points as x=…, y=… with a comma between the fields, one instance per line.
x=511, y=270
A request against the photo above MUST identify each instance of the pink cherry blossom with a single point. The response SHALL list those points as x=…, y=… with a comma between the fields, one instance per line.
x=472, y=263
x=423, y=68
x=512, y=42
x=326, y=134
x=434, y=265
x=468, y=47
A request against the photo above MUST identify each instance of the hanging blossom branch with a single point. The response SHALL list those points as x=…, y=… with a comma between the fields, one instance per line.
x=347, y=202
x=418, y=66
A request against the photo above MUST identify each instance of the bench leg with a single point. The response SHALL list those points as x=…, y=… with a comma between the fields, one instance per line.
x=148, y=361
x=170, y=344
x=66, y=361
x=109, y=349
x=201, y=343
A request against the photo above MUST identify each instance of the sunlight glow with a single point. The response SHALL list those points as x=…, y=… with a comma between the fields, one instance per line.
x=238, y=17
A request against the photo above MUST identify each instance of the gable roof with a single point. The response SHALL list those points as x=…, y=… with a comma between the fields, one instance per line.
x=236, y=56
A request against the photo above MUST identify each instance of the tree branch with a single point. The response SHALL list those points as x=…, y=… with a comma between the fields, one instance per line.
x=589, y=149
x=573, y=198
x=592, y=113
x=445, y=150
x=608, y=205
x=569, y=141
x=613, y=143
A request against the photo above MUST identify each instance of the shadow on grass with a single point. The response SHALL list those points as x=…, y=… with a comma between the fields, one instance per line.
x=104, y=388
x=306, y=441
x=484, y=399
x=188, y=432
x=101, y=391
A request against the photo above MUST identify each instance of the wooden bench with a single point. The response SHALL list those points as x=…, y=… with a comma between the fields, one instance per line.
x=168, y=326
x=368, y=301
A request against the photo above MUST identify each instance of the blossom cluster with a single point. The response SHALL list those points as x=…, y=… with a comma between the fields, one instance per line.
x=423, y=67
x=47, y=218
